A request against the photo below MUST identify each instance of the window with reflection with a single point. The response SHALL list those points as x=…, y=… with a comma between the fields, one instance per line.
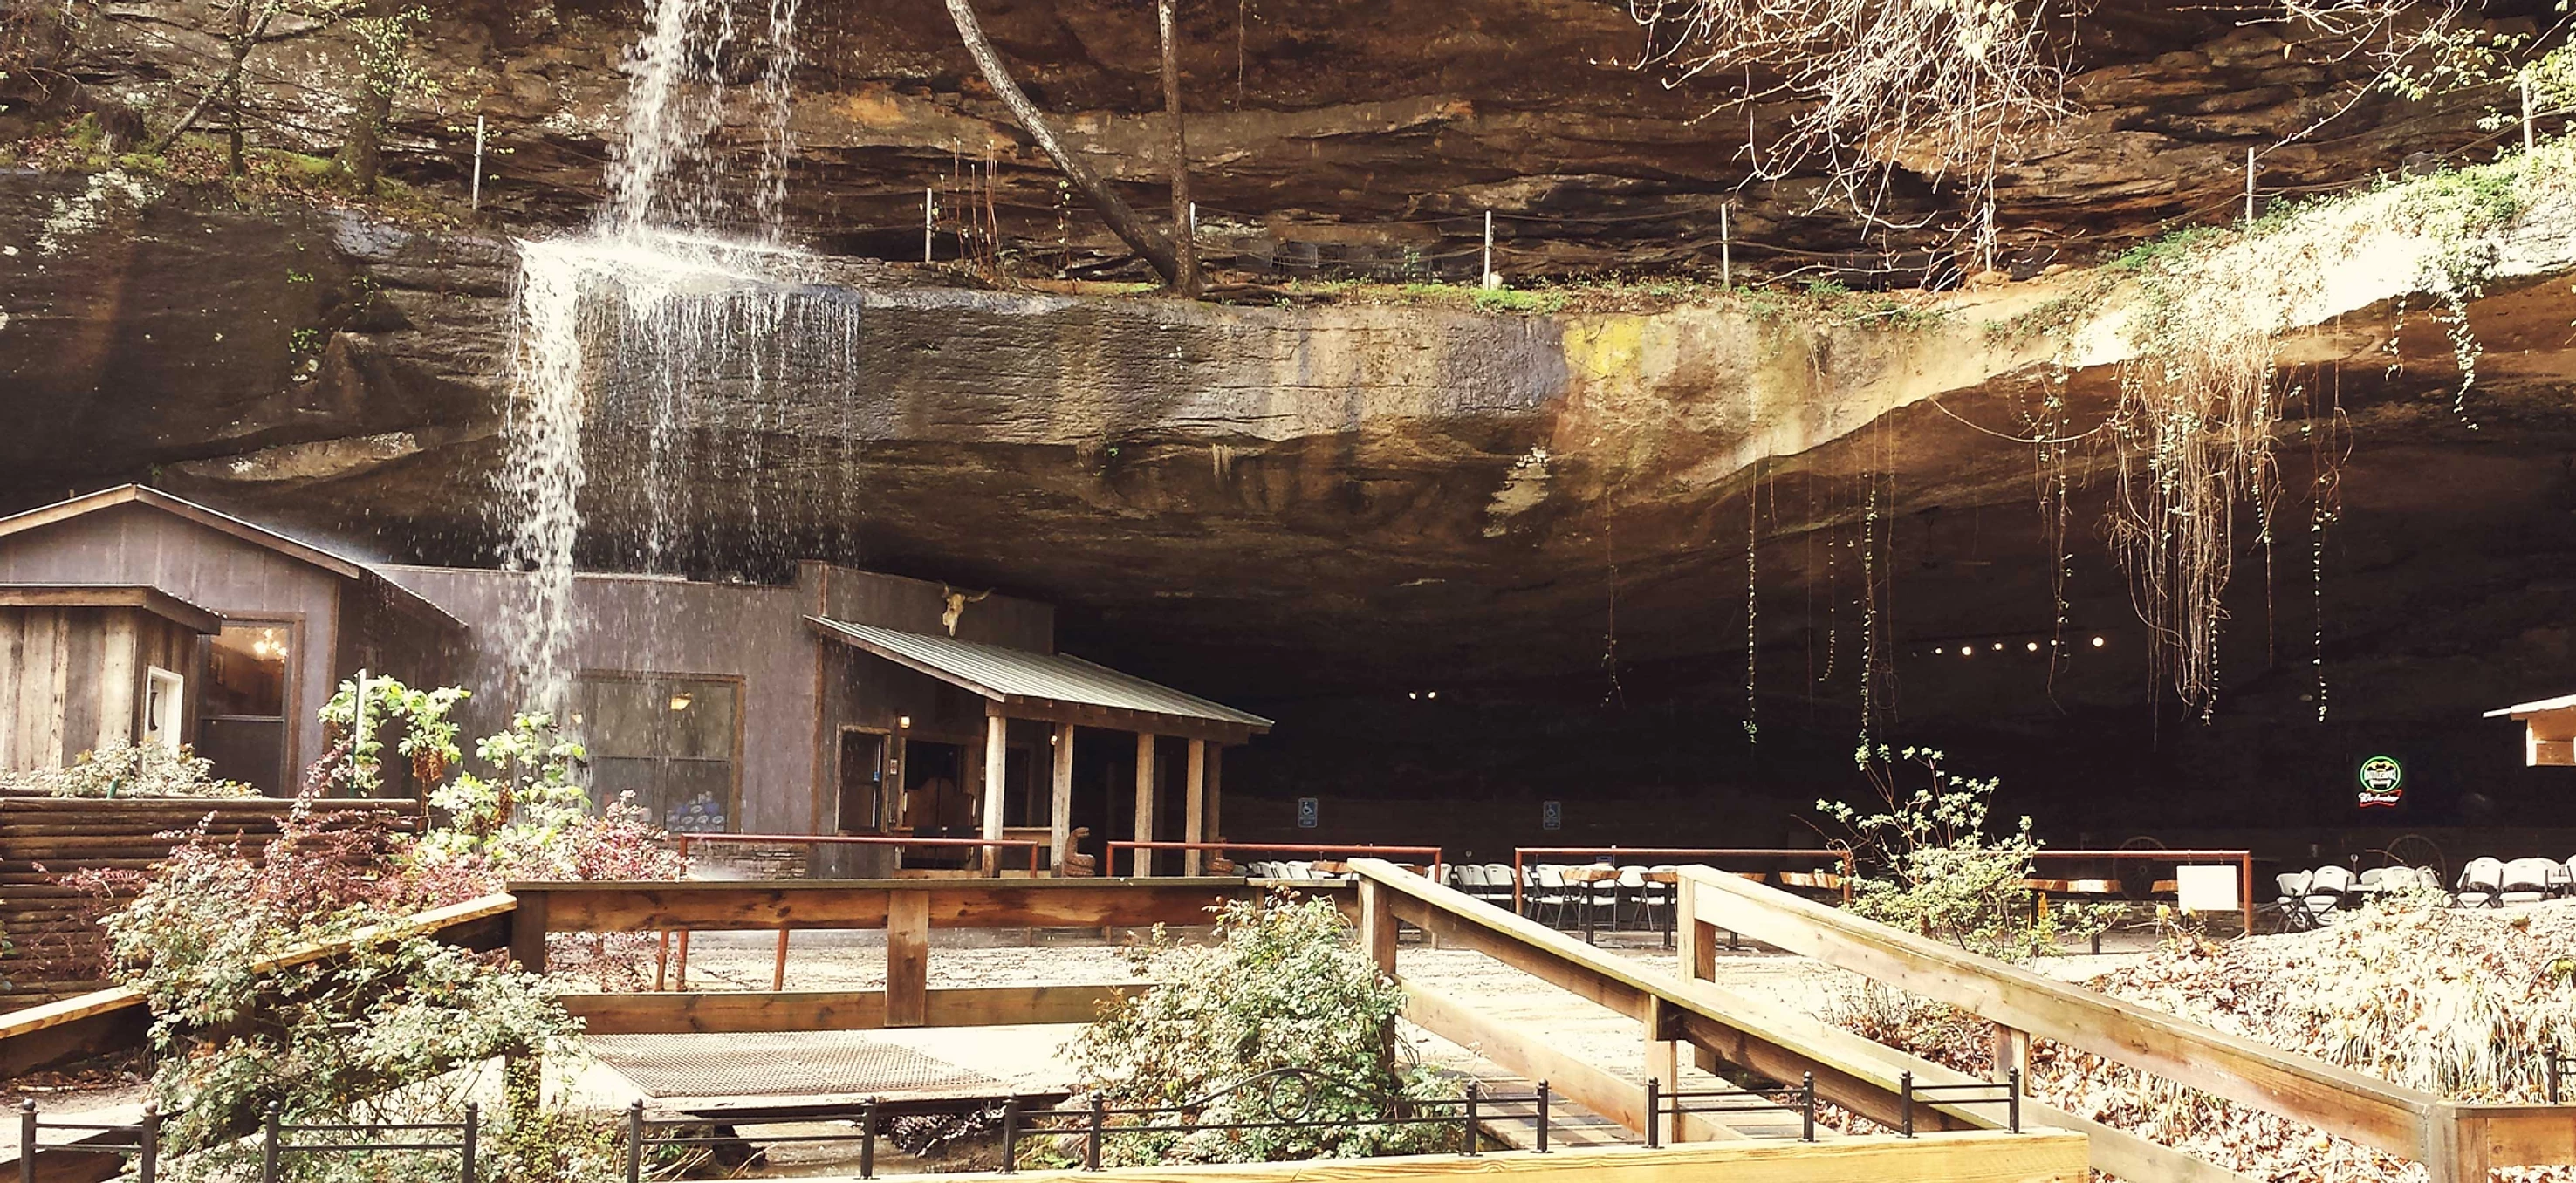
x=668, y=740
x=242, y=706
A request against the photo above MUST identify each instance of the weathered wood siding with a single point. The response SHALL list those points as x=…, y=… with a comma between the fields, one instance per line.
x=139, y=544
x=72, y=679
x=638, y=624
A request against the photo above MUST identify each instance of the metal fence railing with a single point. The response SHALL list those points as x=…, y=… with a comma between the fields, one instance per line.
x=1678, y=1103
x=2006, y=1092
x=140, y=1142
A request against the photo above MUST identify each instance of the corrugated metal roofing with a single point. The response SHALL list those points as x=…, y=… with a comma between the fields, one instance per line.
x=1002, y=674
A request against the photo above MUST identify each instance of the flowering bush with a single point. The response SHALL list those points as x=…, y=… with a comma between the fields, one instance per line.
x=1285, y=986
x=390, y=1030
x=128, y=770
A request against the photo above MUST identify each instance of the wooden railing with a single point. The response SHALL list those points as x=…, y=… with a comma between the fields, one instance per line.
x=991, y=847
x=1522, y=854
x=1430, y=855
x=906, y=909
x=2457, y=1143
x=116, y=1018
x=1721, y=1027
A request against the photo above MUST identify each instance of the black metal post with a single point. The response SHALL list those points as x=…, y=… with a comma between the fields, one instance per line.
x=268, y=1148
x=868, y=1139
x=147, y=1142
x=1475, y=1089
x=27, y=1129
x=1905, y=1104
x=1542, y=1117
x=1010, y=1135
x=1654, y=1113
x=2552, y=1074
x=1807, y=1105
x=468, y=1147
x=2012, y=1100
x=1091, y=1145
x=635, y=1141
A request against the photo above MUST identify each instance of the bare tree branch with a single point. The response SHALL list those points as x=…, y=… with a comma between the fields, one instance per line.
x=1123, y=221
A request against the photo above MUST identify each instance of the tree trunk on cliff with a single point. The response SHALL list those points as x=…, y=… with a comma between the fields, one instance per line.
x=245, y=38
x=1184, y=227
x=1153, y=244
x=363, y=156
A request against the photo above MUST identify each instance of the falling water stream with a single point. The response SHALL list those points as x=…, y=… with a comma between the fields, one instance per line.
x=662, y=326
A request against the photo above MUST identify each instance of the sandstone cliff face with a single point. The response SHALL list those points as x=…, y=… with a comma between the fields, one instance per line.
x=1366, y=488
x=1374, y=136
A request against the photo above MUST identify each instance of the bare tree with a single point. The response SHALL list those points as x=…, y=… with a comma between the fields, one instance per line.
x=1184, y=228
x=1156, y=246
x=1939, y=88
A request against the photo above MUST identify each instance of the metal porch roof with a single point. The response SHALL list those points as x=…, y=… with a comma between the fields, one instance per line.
x=1003, y=674
x=2520, y=709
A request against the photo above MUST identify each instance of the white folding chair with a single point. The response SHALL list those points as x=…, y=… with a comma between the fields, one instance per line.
x=2527, y=880
x=2481, y=883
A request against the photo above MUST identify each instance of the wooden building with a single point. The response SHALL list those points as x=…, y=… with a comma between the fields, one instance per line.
x=2548, y=730
x=846, y=702
x=277, y=623
x=91, y=666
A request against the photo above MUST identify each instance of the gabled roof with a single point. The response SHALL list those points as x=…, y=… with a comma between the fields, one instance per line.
x=2518, y=710
x=224, y=523
x=1018, y=677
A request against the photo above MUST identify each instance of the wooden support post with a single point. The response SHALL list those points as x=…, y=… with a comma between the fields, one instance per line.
x=528, y=932
x=1694, y=953
x=1215, y=792
x=907, y=976
x=2012, y=1053
x=997, y=754
x=1144, y=803
x=778, y=975
x=2455, y=1148
x=1060, y=803
x=1194, y=809
x=1377, y=925
x=1663, y=1060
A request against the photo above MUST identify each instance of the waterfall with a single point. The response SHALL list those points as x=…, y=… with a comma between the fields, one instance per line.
x=649, y=327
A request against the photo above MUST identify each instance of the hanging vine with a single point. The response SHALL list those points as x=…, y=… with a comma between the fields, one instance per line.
x=2199, y=402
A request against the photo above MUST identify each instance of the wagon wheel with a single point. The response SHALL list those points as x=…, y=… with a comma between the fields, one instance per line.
x=2138, y=876
x=2415, y=850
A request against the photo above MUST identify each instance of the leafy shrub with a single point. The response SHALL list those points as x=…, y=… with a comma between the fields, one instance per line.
x=393, y=1030
x=1928, y=863
x=128, y=770
x=1285, y=986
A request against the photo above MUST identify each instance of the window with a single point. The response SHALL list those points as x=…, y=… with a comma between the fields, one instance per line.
x=241, y=724
x=669, y=740
x=246, y=672
x=164, y=694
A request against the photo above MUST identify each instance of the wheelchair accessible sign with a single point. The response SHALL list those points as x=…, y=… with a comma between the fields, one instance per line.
x=2383, y=782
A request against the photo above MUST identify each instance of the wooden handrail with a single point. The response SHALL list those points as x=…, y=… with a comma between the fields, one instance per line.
x=2364, y=1108
x=1435, y=852
x=102, y=1020
x=1769, y=1040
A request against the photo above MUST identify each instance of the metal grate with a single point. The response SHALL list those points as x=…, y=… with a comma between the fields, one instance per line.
x=777, y=1065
